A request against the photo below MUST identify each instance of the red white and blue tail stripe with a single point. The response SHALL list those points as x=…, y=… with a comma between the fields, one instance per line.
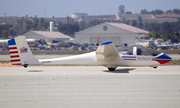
x=20, y=52
x=14, y=54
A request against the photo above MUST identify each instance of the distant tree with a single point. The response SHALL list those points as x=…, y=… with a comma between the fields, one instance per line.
x=173, y=35
x=127, y=22
x=68, y=19
x=129, y=12
x=178, y=19
x=165, y=37
x=76, y=23
x=158, y=11
x=154, y=35
x=4, y=33
x=28, y=25
x=68, y=29
x=176, y=37
x=176, y=11
x=21, y=31
x=144, y=11
x=150, y=34
x=41, y=22
x=153, y=27
x=121, y=9
x=145, y=25
x=140, y=19
x=102, y=18
x=82, y=25
x=35, y=24
x=165, y=27
x=140, y=25
x=133, y=23
x=168, y=11
x=95, y=22
x=18, y=22
x=45, y=25
x=124, y=19
x=21, y=22
x=7, y=30
x=157, y=35
x=60, y=23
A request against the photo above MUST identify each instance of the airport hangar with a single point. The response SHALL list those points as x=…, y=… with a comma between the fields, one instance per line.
x=118, y=33
x=47, y=36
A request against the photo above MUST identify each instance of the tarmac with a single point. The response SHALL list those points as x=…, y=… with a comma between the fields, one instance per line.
x=89, y=87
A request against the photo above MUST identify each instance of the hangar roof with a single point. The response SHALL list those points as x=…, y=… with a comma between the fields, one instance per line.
x=128, y=28
x=49, y=34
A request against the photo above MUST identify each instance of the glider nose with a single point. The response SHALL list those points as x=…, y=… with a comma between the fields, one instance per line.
x=163, y=58
x=167, y=58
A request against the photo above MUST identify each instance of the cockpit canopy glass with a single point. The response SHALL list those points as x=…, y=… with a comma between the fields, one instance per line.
x=140, y=51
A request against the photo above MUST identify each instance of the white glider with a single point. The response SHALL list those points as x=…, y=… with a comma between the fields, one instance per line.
x=105, y=55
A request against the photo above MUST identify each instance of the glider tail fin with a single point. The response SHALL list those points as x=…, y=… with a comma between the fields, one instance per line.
x=20, y=52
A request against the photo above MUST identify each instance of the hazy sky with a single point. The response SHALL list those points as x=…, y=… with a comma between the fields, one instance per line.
x=64, y=8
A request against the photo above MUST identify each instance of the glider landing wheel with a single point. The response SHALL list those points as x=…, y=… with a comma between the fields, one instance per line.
x=155, y=67
x=112, y=69
x=25, y=65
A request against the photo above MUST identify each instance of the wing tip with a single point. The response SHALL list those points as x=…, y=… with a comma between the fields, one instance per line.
x=12, y=37
x=106, y=43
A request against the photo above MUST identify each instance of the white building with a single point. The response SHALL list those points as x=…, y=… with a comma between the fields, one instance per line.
x=118, y=33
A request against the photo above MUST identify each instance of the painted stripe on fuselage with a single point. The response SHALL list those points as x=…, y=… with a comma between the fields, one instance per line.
x=163, y=58
x=162, y=61
x=129, y=59
x=128, y=56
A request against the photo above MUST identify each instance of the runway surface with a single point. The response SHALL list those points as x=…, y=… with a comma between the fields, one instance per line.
x=89, y=87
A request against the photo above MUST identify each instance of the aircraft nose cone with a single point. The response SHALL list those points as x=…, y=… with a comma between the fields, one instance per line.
x=162, y=59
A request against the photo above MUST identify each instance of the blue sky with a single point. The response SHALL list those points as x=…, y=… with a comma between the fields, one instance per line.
x=64, y=8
